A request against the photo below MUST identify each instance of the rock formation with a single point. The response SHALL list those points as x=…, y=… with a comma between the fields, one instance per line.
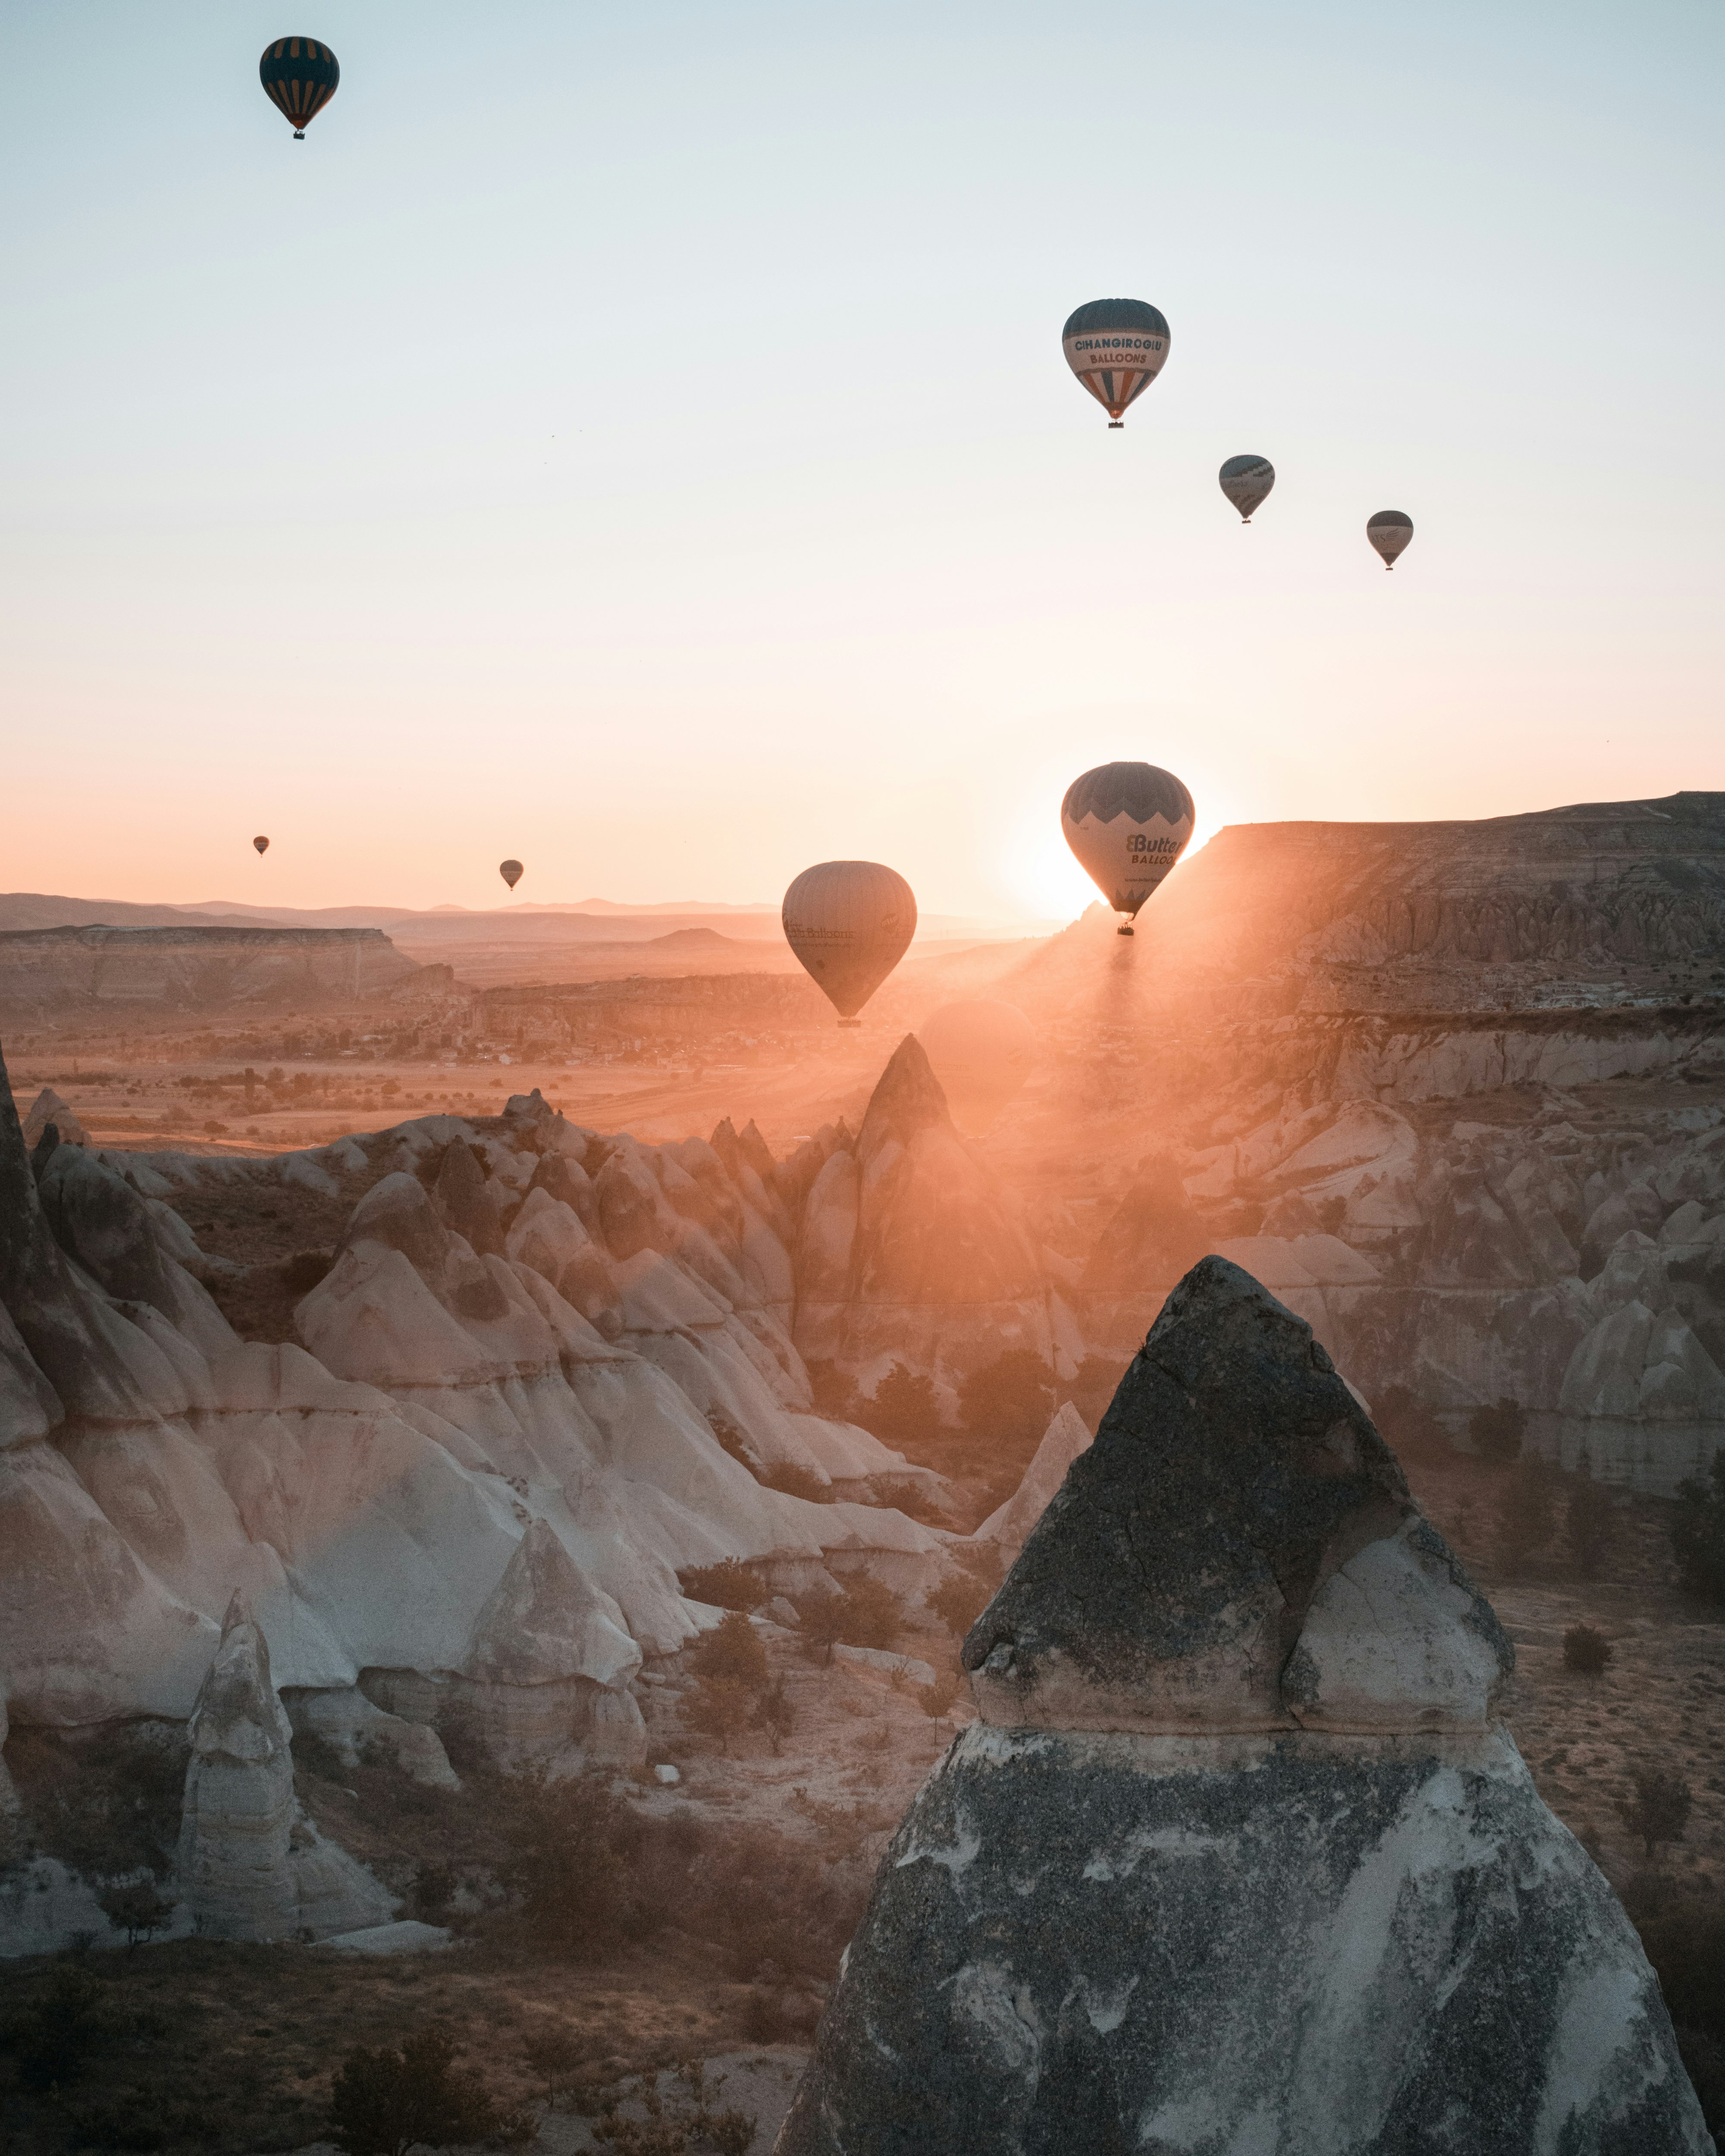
x=251, y=1866
x=912, y=1251
x=1238, y=1857
x=60, y=969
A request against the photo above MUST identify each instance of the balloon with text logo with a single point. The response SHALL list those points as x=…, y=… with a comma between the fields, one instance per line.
x=1128, y=823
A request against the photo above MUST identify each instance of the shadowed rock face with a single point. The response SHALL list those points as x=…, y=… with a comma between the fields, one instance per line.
x=1193, y=1569
x=1236, y=1862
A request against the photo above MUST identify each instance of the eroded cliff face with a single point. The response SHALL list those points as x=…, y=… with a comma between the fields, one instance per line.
x=1238, y=1856
x=469, y=1480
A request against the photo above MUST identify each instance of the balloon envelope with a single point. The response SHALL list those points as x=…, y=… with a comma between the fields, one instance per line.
x=1246, y=481
x=299, y=75
x=982, y=1053
x=1389, y=531
x=1128, y=825
x=1116, y=348
x=512, y=872
x=850, y=923
x=262, y=845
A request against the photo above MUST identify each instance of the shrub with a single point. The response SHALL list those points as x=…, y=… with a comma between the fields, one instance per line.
x=717, y=1707
x=383, y=2102
x=589, y=1873
x=553, y=2056
x=731, y=1652
x=833, y=1391
x=109, y=1806
x=58, y=2025
x=136, y=1908
x=433, y=1890
x=1698, y=1532
x=791, y=1480
x=773, y=1713
x=1585, y=1650
x=732, y=1438
x=302, y=1272
x=903, y=1407
x=728, y=1585
x=900, y=1493
x=1010, y=1402
x=1497, y=1431
x=1590, y=1524
x=1527, y=1517
x=1659, y=1810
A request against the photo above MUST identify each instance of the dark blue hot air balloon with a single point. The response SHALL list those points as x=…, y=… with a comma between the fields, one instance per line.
x=299, y=75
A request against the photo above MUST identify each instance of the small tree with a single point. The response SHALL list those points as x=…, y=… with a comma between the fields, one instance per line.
x=1497, y=1431
x=1010, y=1401
x=731, y=1653
x=772, y=1712
x=135, y=1907
x=385, y=2103
x=792, y=1480
x=1659, y=1810
x=1590, y=1524
x=718, y=1708
x=1585, y=1650
x=1528, y=1518
x=1698, y=1532
x=903, y=1407
x=833, y=1391
x=553, y=2056
x=864, y=1613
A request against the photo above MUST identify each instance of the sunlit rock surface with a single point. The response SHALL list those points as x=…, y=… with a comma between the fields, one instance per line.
x=1238, y=1858
x=912, y=1251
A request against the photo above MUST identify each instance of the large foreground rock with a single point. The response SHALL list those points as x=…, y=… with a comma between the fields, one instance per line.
x=1238, y=1861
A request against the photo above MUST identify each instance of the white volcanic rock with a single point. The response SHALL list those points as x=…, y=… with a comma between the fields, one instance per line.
x=250, y=1866
x=354, y=1729
x=939, y=1272
x=1062, y=1441
x=48, y=1107
x=1237, y=1859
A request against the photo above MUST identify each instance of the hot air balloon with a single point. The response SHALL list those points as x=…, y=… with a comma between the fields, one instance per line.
x=1246, y=481
x=1389, y=531
x=850, y=923
x=1128, y=825
x=262, y=845
x=1116, y=348
x=510, y=871
x=982, y=1053
x=299, y=76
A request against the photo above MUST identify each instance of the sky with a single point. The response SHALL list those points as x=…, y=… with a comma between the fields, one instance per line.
x=636, y=440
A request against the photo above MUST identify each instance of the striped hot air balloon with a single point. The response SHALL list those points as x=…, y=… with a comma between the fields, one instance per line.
x=1116, y=348
x=299, y=75
x=1246, y=481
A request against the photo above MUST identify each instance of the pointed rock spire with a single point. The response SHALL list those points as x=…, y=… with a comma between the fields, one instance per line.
x=1237, y=1507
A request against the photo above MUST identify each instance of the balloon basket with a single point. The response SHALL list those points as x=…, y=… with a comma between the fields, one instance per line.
x=299, y=134
x=1113, y=423
x=851, y=1021
x=1124, y=928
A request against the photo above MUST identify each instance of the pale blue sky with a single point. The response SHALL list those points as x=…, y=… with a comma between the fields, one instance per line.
x=638, y=439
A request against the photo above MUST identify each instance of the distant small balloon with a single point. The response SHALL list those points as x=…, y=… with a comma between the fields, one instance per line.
x=982, y=1053
x=850, y=923
x=1128, y=825
x=1389, y=531
x=1116, y=348
x=262, y=845
x=299, y=75
x=512, y=872
x=1246, y=481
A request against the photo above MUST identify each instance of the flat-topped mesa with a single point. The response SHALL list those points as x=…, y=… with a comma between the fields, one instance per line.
x=1238, y=1551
